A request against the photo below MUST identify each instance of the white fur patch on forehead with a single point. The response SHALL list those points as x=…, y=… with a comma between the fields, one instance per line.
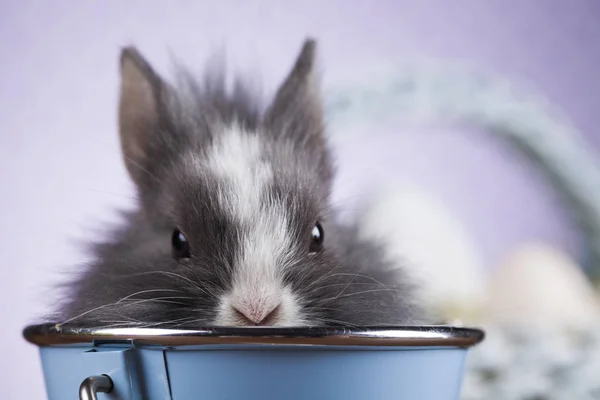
x=235, y=159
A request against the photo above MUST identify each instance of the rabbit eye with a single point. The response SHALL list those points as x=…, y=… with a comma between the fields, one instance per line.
x=181, y=247
x=317, y=236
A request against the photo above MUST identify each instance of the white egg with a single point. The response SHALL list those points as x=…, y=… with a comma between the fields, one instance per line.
x=540, y=285
x=432, y=243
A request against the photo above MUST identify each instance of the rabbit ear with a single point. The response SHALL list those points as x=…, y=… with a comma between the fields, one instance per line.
x=297, y=110
x=142, y=97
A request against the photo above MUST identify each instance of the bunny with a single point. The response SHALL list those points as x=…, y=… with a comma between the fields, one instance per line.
x=234, y=225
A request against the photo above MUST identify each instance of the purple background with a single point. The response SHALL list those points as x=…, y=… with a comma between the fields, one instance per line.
x=61, y=173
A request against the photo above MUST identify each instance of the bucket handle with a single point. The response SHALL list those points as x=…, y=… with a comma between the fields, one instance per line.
x=93, y=385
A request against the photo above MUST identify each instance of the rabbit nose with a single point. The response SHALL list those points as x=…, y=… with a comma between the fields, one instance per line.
x=250, y=316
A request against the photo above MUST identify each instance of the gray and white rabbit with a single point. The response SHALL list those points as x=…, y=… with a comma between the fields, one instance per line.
x=234, y=225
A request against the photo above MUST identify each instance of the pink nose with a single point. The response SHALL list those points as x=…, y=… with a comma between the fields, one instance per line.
x=256, y=317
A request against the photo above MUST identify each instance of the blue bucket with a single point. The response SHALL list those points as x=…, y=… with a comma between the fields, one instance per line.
x=255, y=363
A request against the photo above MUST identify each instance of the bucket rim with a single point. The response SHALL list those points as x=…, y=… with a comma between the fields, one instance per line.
x=49, y=334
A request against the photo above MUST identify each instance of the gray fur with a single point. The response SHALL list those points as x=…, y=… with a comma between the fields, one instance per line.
x=136, y=281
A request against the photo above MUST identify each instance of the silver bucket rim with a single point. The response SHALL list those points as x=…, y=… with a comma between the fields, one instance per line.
x=44, y=335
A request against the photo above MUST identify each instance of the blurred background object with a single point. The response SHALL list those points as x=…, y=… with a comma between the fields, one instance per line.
x=467, y=199
x=539, y=285
x=437, y=248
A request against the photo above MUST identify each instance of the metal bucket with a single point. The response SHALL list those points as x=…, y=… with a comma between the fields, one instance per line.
x=255, y=363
